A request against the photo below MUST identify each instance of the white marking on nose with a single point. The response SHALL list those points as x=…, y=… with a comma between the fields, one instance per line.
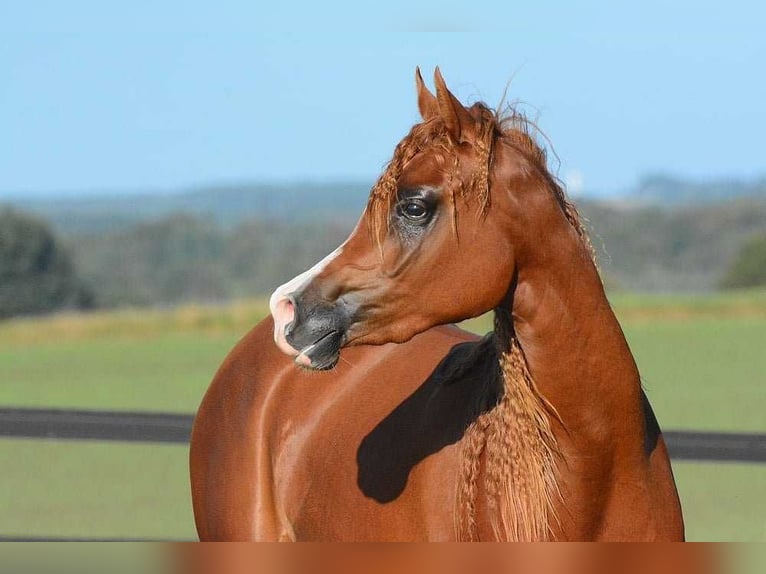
x=282, y=309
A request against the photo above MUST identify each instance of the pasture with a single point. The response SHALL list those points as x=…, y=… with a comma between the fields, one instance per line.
x=701, y=359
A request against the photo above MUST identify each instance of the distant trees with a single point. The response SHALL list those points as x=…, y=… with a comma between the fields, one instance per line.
x=172, y=260
x=685, y=248
x=749, y=267
x=36, y=271
x=127, y=256
x=182, y=258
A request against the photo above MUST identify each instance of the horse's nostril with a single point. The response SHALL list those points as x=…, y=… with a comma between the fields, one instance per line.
x=285, y=313
x=289, y=327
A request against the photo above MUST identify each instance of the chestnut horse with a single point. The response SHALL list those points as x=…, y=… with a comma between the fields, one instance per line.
x=396, y=425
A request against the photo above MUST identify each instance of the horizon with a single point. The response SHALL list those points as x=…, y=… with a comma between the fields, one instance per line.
x=102, y=100
x=632, y=192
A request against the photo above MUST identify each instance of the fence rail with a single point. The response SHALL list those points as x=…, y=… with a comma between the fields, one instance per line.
x=95, y=425
x=176, y=428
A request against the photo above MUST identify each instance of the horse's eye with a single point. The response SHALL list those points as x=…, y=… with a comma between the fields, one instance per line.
x=414, y=209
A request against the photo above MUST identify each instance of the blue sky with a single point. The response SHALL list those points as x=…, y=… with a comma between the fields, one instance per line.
x=171, y=95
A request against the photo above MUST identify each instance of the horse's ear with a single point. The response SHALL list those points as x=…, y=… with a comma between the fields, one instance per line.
x=459, y=122
x=427, y=104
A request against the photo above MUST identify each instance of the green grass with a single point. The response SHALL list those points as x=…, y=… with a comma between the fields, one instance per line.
x=83, y=489
x=704, y=373
x=702, y=360
x=161, y=372
x=742, y=303
x=723, y=502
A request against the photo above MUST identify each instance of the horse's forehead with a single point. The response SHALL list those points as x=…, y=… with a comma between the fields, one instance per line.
x=425, y=169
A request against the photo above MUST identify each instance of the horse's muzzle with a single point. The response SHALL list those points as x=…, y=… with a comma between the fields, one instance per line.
x=311, y=331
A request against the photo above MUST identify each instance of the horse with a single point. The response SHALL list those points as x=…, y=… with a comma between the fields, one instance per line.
x=357, y=411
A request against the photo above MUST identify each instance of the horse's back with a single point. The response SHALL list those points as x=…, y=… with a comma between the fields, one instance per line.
x=358, y=452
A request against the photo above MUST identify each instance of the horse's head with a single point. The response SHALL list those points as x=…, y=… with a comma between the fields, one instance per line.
x=429, y=248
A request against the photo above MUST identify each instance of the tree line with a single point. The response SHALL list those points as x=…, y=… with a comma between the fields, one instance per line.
x=184, y=258
x=37, y=273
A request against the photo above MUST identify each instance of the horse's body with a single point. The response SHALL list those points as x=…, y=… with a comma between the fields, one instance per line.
x=277, y=451
x=425, y=432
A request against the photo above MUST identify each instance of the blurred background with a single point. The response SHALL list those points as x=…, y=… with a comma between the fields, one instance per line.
x=163, y=167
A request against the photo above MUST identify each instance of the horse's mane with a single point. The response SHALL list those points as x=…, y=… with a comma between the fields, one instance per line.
x=507, y=127
x=525, y=137
x=510, y=451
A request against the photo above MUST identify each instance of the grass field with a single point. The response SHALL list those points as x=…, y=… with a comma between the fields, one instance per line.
x=702, y=360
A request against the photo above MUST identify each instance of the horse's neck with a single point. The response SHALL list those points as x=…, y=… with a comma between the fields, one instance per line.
x=574, y=347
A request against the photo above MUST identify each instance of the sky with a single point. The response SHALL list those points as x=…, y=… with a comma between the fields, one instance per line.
x=171, y=95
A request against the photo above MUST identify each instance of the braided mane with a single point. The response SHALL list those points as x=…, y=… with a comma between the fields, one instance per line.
x=510, y=127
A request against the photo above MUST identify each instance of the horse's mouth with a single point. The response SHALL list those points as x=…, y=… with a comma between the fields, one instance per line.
x=322, y=354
